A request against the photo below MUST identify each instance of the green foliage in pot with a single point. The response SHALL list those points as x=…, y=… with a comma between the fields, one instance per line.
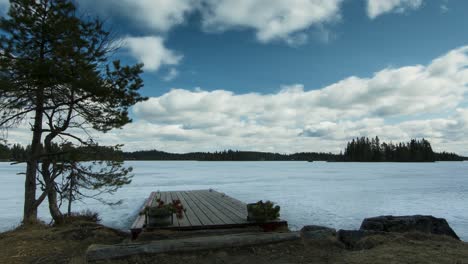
x=263, y=211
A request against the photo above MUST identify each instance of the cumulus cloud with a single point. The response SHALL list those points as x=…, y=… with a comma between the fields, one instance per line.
x=159, y=15
x=151, y=51
x=296, y=119
x=376, y=8
x=271, y=19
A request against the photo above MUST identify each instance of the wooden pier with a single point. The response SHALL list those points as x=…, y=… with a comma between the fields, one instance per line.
x=204, y=209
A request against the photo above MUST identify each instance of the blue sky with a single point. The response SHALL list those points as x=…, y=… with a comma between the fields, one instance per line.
x=296, y=75
x=356, y=45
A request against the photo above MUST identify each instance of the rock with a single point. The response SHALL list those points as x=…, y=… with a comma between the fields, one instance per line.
x=421, y=223
x=350, y=238
x=317, y=232
x=320, y=237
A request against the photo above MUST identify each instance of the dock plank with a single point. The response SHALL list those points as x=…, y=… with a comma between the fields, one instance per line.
x=227, y=207
x=170, y=198
x=232, y=201
x=204, y=219
x=184, y=221
x=235, y=219
x=214, y=215
x=192, y=216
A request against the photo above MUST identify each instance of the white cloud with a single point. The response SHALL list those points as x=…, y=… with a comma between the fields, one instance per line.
x=395, y=103
x=271, y=19
x=376, y=8
x=294, y=119
x=171, y=75
x=151, y=51
x=159, y=15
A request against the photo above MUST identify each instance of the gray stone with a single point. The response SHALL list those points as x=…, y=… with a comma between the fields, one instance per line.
x=313, y=232
x=351, y=237
x=421, y=223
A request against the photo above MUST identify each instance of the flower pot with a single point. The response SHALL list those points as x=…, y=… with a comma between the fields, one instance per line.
x=157, y=217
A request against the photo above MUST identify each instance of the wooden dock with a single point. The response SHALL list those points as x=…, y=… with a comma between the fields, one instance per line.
x=204, y=209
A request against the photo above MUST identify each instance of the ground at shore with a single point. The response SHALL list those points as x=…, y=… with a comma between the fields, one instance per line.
x=68, y=244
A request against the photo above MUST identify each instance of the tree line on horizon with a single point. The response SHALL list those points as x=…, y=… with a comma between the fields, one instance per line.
x=357, y=150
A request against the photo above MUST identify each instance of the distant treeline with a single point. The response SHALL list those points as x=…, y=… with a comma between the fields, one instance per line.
x=365, y=150
x=358, y=150
x=64, y=152
x=229, y=155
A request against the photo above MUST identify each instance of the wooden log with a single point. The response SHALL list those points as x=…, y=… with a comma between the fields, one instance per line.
x=105, y=252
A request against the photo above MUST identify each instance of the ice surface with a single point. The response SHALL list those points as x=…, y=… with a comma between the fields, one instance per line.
x=338, y=195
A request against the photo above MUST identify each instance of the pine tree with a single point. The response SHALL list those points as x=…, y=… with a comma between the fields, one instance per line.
x=54, y=66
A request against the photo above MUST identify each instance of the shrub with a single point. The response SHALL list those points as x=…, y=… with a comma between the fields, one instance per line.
x=83, y=216
x=263, y=211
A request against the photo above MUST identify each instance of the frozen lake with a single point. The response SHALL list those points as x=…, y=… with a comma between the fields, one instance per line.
x=339, y=195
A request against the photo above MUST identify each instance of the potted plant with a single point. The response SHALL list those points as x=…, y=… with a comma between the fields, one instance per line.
x=162, y=213
x=263, y=211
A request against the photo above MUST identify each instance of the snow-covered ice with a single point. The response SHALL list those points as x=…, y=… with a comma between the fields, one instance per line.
x=339, y=195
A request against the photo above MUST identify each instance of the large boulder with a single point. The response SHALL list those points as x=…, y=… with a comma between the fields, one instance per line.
x=421, y=223
x=314, y=232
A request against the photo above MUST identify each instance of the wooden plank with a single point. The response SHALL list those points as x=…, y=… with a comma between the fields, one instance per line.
x=204, y=219
x=234, y=202
x=163, y=196
x=214, y=215
x=107, y=252
x=239, y=207
x=227, y=206
x=184, y=221
x=138, y=223
x=235, y=219
x=192, y=217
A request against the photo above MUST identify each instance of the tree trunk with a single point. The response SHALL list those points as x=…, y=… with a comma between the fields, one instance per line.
x=30, y=207
x=49, y=181
x=70, y=194
x=53, y=207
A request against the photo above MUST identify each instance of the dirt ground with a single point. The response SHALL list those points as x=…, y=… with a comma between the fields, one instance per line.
x=68, y=244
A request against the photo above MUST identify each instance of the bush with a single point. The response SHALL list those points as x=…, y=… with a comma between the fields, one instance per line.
x=83, y=216
x=263, y=211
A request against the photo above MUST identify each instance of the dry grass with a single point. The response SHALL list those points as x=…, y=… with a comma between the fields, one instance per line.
x=68, y=243
x=43, y=244
x=393, y=248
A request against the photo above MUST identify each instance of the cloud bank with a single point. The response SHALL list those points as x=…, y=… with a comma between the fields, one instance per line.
x=394, y=104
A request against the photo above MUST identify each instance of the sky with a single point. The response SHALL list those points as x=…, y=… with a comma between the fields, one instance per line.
x=290, y=75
